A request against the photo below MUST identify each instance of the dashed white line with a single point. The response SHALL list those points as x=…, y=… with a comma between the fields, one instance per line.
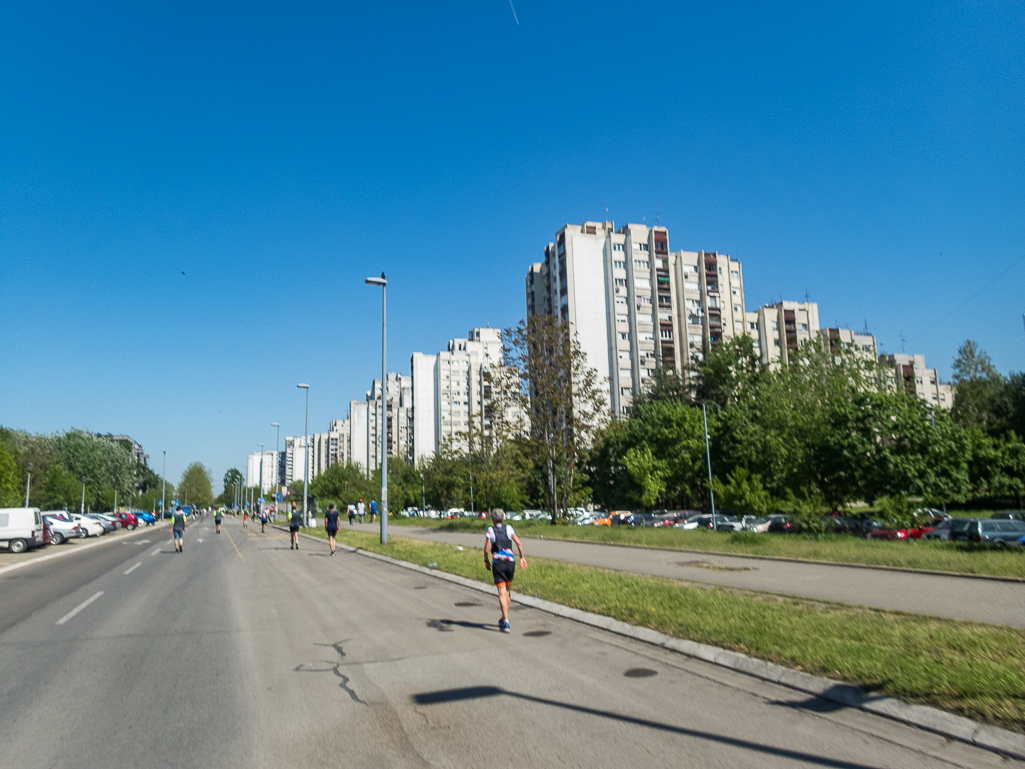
x=156, y=552
x=133, y=568
x=78, y=608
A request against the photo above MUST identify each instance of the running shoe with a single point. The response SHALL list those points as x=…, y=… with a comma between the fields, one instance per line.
x=503, y=625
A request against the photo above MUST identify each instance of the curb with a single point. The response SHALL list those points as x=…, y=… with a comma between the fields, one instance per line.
x=992, y=738
x=77, y=549
x=875, y=567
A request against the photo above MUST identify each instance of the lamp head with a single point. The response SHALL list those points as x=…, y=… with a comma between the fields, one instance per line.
x=381, y=281
x=303, y=386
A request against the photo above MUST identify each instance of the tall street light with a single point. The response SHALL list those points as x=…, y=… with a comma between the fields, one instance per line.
x=163, y=487
x=81, y=510
x=383, y=283
x=708, y=456
x=28, y=481
x=260, y=495
x=306, y=453
x=277, y=465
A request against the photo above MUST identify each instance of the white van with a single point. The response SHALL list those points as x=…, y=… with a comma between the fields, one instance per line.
x=21, y=528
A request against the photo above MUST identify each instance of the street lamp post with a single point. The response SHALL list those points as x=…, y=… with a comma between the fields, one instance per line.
x=81, y=510
x=306, y=454
x=260, y=495
x=708, y=456
x=277, y=465
x=163, y=487
x=383, y=283
x=28, y=480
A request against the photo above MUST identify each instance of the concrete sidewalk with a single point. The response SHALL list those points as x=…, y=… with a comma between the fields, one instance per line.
x=964, y=598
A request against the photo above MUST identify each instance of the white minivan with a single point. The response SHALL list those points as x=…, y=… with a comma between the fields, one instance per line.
x=21, y=528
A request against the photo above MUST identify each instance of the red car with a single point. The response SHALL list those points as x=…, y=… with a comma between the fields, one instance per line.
x=914, y=532
x=127, y=520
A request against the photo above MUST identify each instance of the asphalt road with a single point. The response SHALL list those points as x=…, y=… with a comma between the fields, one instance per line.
x=243, y=653
x=968, y=598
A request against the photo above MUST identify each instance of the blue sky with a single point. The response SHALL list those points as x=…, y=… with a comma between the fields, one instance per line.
x=192, y=193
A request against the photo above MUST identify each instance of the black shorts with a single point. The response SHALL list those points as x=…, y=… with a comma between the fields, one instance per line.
x=503, y=571
x=292, y=527
x=331, y=532
x=217, y=520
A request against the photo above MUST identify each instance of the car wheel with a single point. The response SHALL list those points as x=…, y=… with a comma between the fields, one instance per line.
x=130, y=527
x=82, y=533
x=17, y=546
x=1001, y=544
x=56, y=538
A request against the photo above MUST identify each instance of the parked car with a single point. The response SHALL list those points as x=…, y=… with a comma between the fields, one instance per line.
x=104, y=521
x=21, y=528
x=939, y=531
x=627, y=519
x=143, y=517
x=756, y=523
x=709, y=521
x=92, y=528
x=61, y=530
x=127, y=520
x=959, y=528
x=1000, y=532
x=781, y=524
x=846, y=524
x=1017, y=515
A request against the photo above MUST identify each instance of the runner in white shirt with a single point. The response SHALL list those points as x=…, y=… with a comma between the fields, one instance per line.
x=499, y=560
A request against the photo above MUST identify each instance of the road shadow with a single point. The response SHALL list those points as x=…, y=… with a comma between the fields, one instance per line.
x=448, y=625
x=483, y=692
x=835, y=698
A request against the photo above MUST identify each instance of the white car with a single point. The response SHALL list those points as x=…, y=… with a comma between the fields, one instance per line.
x=21, y=528
x=61, y=529
x=92, y=528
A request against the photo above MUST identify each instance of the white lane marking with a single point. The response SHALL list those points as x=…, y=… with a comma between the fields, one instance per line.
x=133, y=568
x=199, y=540
x=78, y=608
x=77, y=548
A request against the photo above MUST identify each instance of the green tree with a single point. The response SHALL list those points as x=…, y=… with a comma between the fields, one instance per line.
x=566, y=403
x=977, y=386
x=233, y=479
x=10, y=476
x=195, y=487
x=743, y=493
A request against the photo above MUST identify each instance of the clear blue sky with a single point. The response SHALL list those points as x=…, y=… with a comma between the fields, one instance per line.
x=192, y=193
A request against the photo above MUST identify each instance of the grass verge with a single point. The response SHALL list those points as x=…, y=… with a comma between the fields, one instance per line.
x=970, y=668
x=933, y=555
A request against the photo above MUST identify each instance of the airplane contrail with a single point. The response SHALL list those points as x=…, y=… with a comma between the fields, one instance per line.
x=514, y=13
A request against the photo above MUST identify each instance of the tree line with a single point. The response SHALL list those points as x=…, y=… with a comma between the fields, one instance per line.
x=60, y=461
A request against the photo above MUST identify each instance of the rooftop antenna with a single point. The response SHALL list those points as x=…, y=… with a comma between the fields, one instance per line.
x=903, y=349
x=807, y=296
x=866, y=326
x=658, y=215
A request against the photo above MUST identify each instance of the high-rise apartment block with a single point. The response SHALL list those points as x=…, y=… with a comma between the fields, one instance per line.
x=862, y=345
x=634, y=305
x=451, y=390
x=911, y=375
x=782, y=328
x=269, y=460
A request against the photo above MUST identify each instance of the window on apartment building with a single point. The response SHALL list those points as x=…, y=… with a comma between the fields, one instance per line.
x=734, y=274
x=804, y=327
x=624, y=336
x=642, y=264
x=626, y=391
x=617, y=246
x=642, y=283
x=694, y=338
x=619, y=265
x=620, y=281
x=690, y=286
x=736, y=308
x=666, y=333
x=775, y=341
x=752, y=326
x=736, y=292
x=775, y=325
x=620, y=301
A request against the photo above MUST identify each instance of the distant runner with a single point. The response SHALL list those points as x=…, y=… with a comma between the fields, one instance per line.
x=217, y=520
x=331, y=526
x=373, y=511
x=263, y=521
x=178, y=528
x=498, y=546
x=293, y=527
x=245, y=519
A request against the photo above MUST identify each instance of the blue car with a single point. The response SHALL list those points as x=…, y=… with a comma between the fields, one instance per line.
x=147, y=517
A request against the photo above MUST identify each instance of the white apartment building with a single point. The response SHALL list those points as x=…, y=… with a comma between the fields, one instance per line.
x=633, y=305
x=451, y=390
x=836, y=339
x=269, y=461
x=359, y=446
x=295, y=455
x=399, y=436
x=782, y=328
x=911, y=374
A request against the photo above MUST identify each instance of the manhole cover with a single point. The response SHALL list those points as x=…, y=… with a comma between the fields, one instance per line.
x=537, y=633
x=640, y=673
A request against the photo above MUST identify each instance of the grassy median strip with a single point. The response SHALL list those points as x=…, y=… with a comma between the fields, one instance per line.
x=970, y=668
x=933, y=555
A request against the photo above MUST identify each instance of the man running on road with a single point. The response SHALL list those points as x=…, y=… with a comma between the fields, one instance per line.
x=331, y=526
x=178, y=528
x=293, y=527
x=263, y=521
x=217, y=520
x=498, y=544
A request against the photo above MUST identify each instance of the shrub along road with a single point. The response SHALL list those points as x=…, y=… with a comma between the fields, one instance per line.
x=243, y=653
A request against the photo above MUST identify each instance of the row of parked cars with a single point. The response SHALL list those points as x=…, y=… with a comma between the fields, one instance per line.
x=26, y=528
x=1003, y=528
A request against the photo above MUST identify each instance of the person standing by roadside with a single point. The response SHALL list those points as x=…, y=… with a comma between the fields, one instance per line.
x=331, y=526
x=217, y=520
x=373, y=510
x=293, y=527
x=351, y=510
x=360, y=510
x=178, y=528
x=499, y=560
